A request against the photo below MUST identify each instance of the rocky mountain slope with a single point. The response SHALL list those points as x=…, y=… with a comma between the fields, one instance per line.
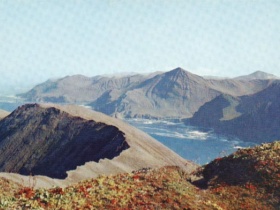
x=258, y=166
x=79, y=88
x=174, y=94
x=74, y=143
x=246, y=179
x=253, y=117
x=49, y=142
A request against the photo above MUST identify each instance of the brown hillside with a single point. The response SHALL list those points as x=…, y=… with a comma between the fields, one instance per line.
x=33, y=124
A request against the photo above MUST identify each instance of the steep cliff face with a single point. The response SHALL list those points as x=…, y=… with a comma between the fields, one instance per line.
x=252, y=118
x=174, y=94
x=74, y=143
x=47, y=141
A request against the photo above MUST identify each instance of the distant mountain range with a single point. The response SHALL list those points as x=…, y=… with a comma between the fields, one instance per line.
x=252, y=117
x=174, y=94
x=245, y=107
x=74, y=143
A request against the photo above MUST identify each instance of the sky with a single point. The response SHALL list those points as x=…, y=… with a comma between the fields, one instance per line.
x=42, y=39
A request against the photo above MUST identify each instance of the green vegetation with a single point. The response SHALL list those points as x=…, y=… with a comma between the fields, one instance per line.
x=247, y=179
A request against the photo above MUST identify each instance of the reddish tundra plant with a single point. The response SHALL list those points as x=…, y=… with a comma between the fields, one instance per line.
x=247, y=179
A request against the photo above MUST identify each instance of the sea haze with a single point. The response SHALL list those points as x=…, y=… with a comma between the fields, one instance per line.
x=192, y=143
x=10, y=103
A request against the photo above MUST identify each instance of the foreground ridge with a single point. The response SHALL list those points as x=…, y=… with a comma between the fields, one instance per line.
x=168, y=187
x=62, y=145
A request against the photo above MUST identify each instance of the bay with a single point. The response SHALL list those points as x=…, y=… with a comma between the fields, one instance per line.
x=192, y=143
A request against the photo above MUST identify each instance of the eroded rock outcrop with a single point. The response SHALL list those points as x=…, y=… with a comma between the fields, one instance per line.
x=48, y=141
x=72, y=143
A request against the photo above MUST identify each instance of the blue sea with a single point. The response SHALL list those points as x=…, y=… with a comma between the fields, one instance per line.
x=189, y=142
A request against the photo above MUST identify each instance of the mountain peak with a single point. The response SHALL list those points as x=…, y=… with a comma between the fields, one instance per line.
x=181, y=72
x=261, y=73
x=178, y=70
x=257, y=75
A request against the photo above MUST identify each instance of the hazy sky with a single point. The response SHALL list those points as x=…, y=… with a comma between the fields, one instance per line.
x=41, y=39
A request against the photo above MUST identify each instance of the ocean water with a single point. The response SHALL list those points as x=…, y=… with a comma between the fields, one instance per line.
x=189, y=142
x=9, y=103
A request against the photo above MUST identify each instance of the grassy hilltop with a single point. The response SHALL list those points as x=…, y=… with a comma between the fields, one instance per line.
x=246, y=179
